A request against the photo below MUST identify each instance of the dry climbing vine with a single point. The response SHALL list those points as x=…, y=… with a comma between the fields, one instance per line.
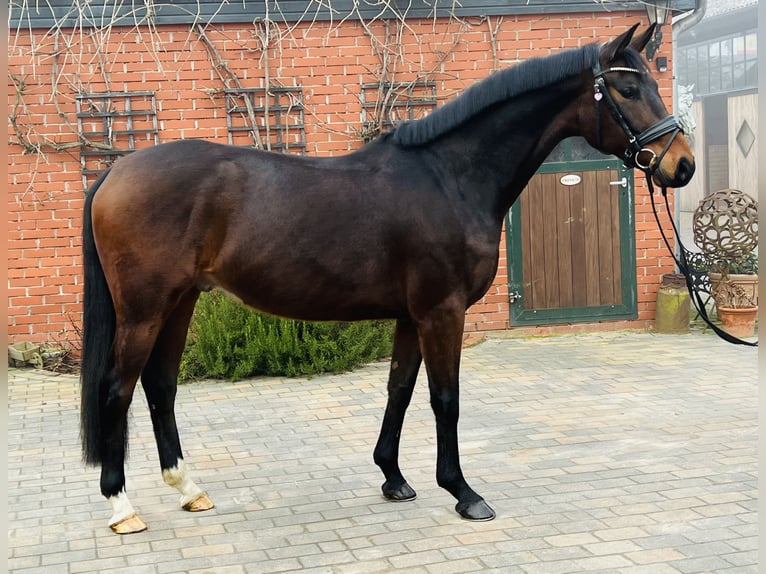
x=82, y=49
x=79, y=41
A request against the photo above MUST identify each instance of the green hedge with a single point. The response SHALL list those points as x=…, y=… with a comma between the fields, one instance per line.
x=228, y=341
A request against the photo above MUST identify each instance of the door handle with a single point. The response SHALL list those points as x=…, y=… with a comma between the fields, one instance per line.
x=621, y=182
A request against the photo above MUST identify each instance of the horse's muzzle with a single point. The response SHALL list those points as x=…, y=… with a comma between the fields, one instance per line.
x=684, y=171
x=682, y=176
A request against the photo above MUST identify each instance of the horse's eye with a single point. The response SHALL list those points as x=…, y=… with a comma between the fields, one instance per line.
x=629, y=92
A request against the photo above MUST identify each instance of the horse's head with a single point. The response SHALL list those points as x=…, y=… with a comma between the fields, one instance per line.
x=629, y=118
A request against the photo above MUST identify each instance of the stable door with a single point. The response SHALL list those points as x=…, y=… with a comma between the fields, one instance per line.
x=571, y=245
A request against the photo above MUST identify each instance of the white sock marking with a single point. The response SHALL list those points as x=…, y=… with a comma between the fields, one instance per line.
x=121, y=508
x=179, y=479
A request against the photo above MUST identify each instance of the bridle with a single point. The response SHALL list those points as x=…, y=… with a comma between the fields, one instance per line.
x=632, y=157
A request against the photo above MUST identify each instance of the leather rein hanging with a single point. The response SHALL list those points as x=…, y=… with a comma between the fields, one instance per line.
x=632, y=158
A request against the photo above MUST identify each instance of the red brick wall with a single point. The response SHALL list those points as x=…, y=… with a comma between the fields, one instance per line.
x=330, y=62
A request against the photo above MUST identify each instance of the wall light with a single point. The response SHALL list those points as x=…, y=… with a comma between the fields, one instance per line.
x=658, y=11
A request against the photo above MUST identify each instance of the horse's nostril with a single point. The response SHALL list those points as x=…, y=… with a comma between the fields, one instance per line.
x=684, y=171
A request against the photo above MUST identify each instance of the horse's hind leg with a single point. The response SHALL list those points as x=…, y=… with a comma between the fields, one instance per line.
x=133, y=343
x=405, y=363
x=159, y=380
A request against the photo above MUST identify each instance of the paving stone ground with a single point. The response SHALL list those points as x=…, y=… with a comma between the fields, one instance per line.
x=605, y=453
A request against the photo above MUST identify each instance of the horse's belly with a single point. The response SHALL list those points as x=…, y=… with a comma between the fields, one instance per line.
x=313, y=297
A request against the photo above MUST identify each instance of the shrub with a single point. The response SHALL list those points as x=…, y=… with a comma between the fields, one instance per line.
x=228, y=341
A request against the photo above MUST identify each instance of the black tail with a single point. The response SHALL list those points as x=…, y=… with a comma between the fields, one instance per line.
x=98, y=326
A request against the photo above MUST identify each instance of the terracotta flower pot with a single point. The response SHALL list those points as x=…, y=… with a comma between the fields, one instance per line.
x=738, y=322
x=748, y=283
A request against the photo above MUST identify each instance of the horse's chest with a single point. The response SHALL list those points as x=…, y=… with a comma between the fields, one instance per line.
x=483, y=275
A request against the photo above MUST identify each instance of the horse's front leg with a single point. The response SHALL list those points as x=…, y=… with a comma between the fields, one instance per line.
x=405, y=363
x=441, y=335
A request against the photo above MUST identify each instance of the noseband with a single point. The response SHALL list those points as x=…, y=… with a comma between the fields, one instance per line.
x=632, y=154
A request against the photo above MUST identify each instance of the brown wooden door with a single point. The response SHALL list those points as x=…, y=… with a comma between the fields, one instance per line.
x=574, y=244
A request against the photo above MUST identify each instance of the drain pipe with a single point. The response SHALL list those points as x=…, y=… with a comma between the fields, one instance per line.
x=689, y=19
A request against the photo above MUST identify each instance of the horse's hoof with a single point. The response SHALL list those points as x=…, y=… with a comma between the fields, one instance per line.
x=129, y=525
x=198, y=504
x=401, y=493
x=478, y=511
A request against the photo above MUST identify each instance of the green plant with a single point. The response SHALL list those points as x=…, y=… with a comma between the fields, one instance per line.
x=748, y=265
x=741, y=264
x=229, y=341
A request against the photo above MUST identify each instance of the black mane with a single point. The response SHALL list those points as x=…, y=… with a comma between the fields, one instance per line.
x=529, y=75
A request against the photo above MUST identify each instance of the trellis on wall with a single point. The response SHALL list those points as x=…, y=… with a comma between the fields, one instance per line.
x=386, y=104
x=116, y=120
x=268, y=119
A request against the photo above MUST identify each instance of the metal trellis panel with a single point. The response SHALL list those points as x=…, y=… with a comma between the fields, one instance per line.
x=112, y=124
x=271, y=120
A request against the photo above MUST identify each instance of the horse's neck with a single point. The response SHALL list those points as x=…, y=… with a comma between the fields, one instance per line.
x=495, y=154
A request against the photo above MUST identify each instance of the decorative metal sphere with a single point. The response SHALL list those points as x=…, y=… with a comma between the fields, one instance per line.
x=726, y=224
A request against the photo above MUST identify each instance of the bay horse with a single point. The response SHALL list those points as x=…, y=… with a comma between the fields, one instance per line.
x=407, y=227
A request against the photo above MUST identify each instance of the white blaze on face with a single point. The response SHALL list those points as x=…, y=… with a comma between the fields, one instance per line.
x=178, y=478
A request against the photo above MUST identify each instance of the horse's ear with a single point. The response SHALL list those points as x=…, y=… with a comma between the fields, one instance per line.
x=638, y=44
x=617, y=46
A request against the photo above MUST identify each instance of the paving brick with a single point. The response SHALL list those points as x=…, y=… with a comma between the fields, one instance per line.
x=455, y=567
x=221, y=570
x=417, y=559
x=571, y=539
x=707, y=564
x=570, y=553
x=55, y=569
x=620, y=452
x=324, y=559
x=655, y=555
x=650, y=569
x=282, y=565
x=743, y=559
x=617, y=547
x=596, y=563
x=208, y=550
x=745, y=543
x=24, y=562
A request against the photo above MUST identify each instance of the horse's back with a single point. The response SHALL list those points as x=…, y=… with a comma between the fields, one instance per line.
x=315, y=238
x=290, y=235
